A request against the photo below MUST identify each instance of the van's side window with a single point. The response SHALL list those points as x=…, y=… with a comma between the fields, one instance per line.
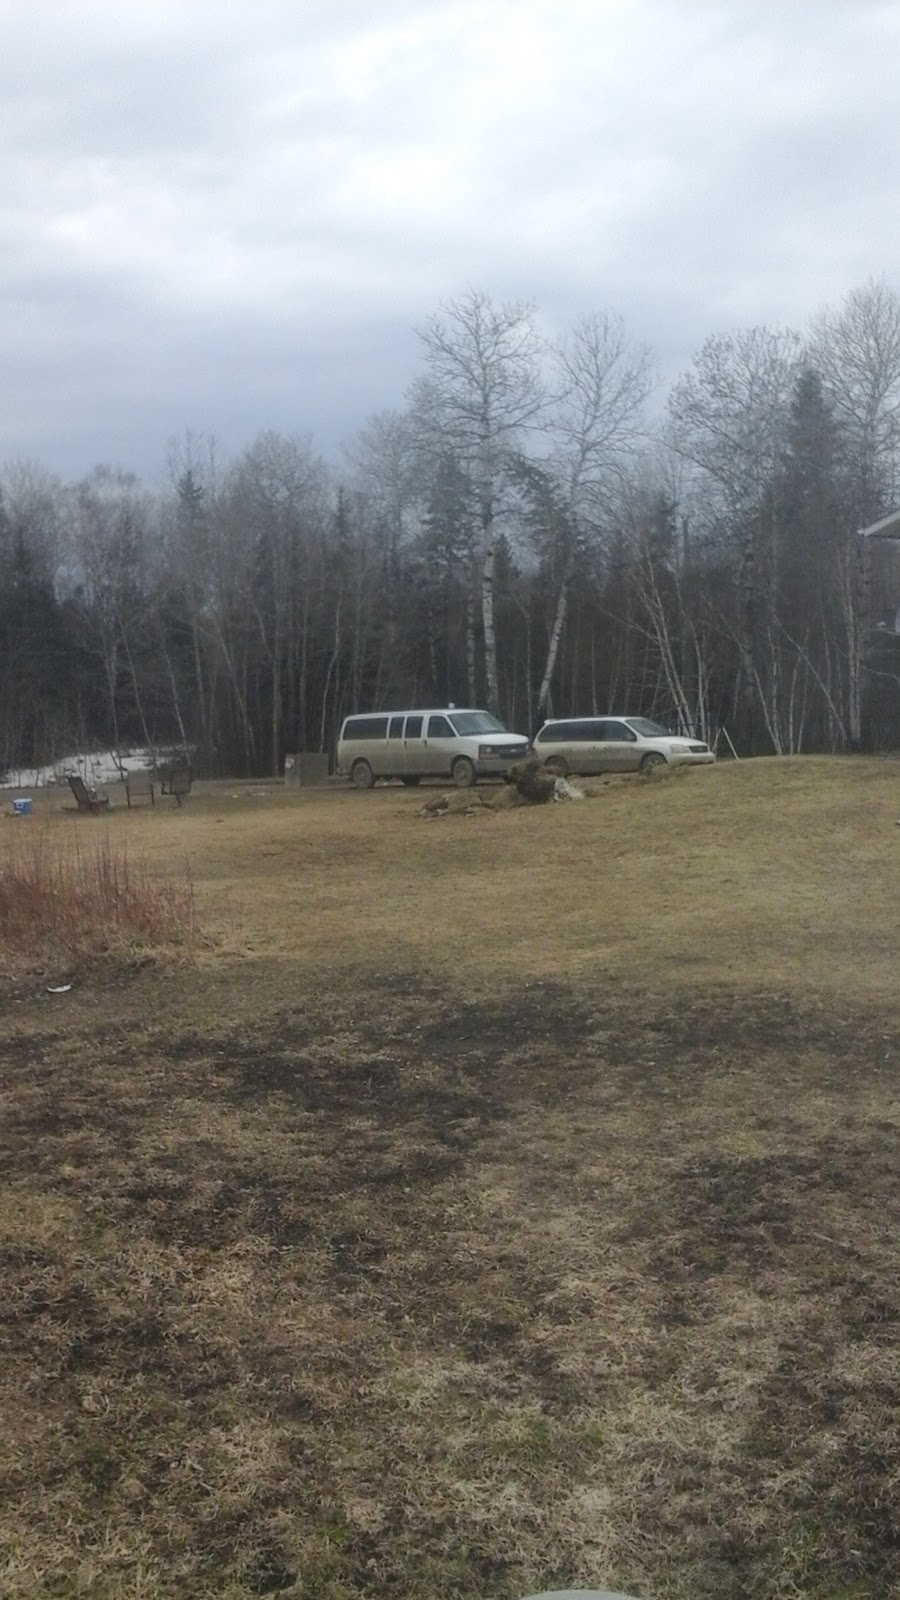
x=366, y=728
x=414, y=727
x=395, y=731
x=619, y=733
x=439, y=728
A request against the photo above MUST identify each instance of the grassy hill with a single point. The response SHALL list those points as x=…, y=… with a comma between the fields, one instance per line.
x=471, y=1205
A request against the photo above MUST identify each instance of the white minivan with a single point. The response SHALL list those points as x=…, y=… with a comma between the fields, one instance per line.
x=614, y=744
x=412, y=745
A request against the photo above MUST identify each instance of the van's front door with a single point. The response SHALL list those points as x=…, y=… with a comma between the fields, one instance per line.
x=414, y=748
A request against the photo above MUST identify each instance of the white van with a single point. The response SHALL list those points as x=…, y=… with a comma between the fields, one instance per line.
x=412, y=745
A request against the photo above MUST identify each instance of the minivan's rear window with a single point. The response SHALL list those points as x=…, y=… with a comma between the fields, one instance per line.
x=365, y=728
x=581, y=730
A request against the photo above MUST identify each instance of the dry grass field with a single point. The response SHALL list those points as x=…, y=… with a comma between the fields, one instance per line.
x=461, y=1206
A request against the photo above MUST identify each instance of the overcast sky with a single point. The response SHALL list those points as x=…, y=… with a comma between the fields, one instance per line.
x=230, y=217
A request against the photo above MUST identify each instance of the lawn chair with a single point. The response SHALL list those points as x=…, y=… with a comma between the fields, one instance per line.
x=179, y=783
x=88, y=799
x=140, y=784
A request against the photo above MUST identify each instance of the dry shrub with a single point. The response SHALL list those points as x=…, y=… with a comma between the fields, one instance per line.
x=62, y=902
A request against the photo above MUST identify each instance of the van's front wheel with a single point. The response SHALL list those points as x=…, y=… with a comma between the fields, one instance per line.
x=463, y=772
x=361, y=775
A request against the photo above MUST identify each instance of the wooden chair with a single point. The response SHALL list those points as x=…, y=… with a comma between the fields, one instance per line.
x=88, y=799
x=140, y=784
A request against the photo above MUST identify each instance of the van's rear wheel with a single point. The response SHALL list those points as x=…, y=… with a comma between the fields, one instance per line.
x=361, y=775
x=463, y=772
x=558, y=765
x=411, y=781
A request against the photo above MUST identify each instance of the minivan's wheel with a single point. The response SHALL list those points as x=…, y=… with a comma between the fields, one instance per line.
x=412, y=781
x=463, y=772
x=558, y=765
x=361, y=775
x=653, y=758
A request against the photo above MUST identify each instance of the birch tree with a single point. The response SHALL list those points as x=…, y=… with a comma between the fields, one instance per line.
x=856, y=348
x=603, y=381
x=730, y=418
x=483, y=391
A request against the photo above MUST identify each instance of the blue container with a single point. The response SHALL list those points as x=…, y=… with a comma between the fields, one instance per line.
x=22, y=808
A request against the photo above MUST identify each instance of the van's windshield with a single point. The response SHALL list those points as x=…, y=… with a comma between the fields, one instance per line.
x=476, y=722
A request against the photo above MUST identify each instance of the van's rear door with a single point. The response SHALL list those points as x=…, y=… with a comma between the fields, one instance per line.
x=620, y=749
x=393, y=750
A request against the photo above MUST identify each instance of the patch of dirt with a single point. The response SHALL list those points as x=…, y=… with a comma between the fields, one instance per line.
x=397, y=1290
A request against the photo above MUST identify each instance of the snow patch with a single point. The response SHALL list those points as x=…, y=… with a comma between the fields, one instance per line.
x=100, y=767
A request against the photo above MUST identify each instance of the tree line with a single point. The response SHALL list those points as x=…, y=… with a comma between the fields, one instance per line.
x=524, y=535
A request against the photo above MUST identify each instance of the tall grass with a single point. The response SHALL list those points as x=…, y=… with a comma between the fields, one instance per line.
x=61, y=901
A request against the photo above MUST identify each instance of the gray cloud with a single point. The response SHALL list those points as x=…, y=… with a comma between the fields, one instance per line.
x=231, y=217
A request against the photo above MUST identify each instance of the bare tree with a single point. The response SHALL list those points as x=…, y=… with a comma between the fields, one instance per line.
x=187, y=587
x=33, y=500
x=109, y=547
x=276, y=494
x=856, y=348
x=390, y=480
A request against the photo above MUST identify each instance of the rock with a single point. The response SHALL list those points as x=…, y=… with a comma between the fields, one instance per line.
x=564, y=790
